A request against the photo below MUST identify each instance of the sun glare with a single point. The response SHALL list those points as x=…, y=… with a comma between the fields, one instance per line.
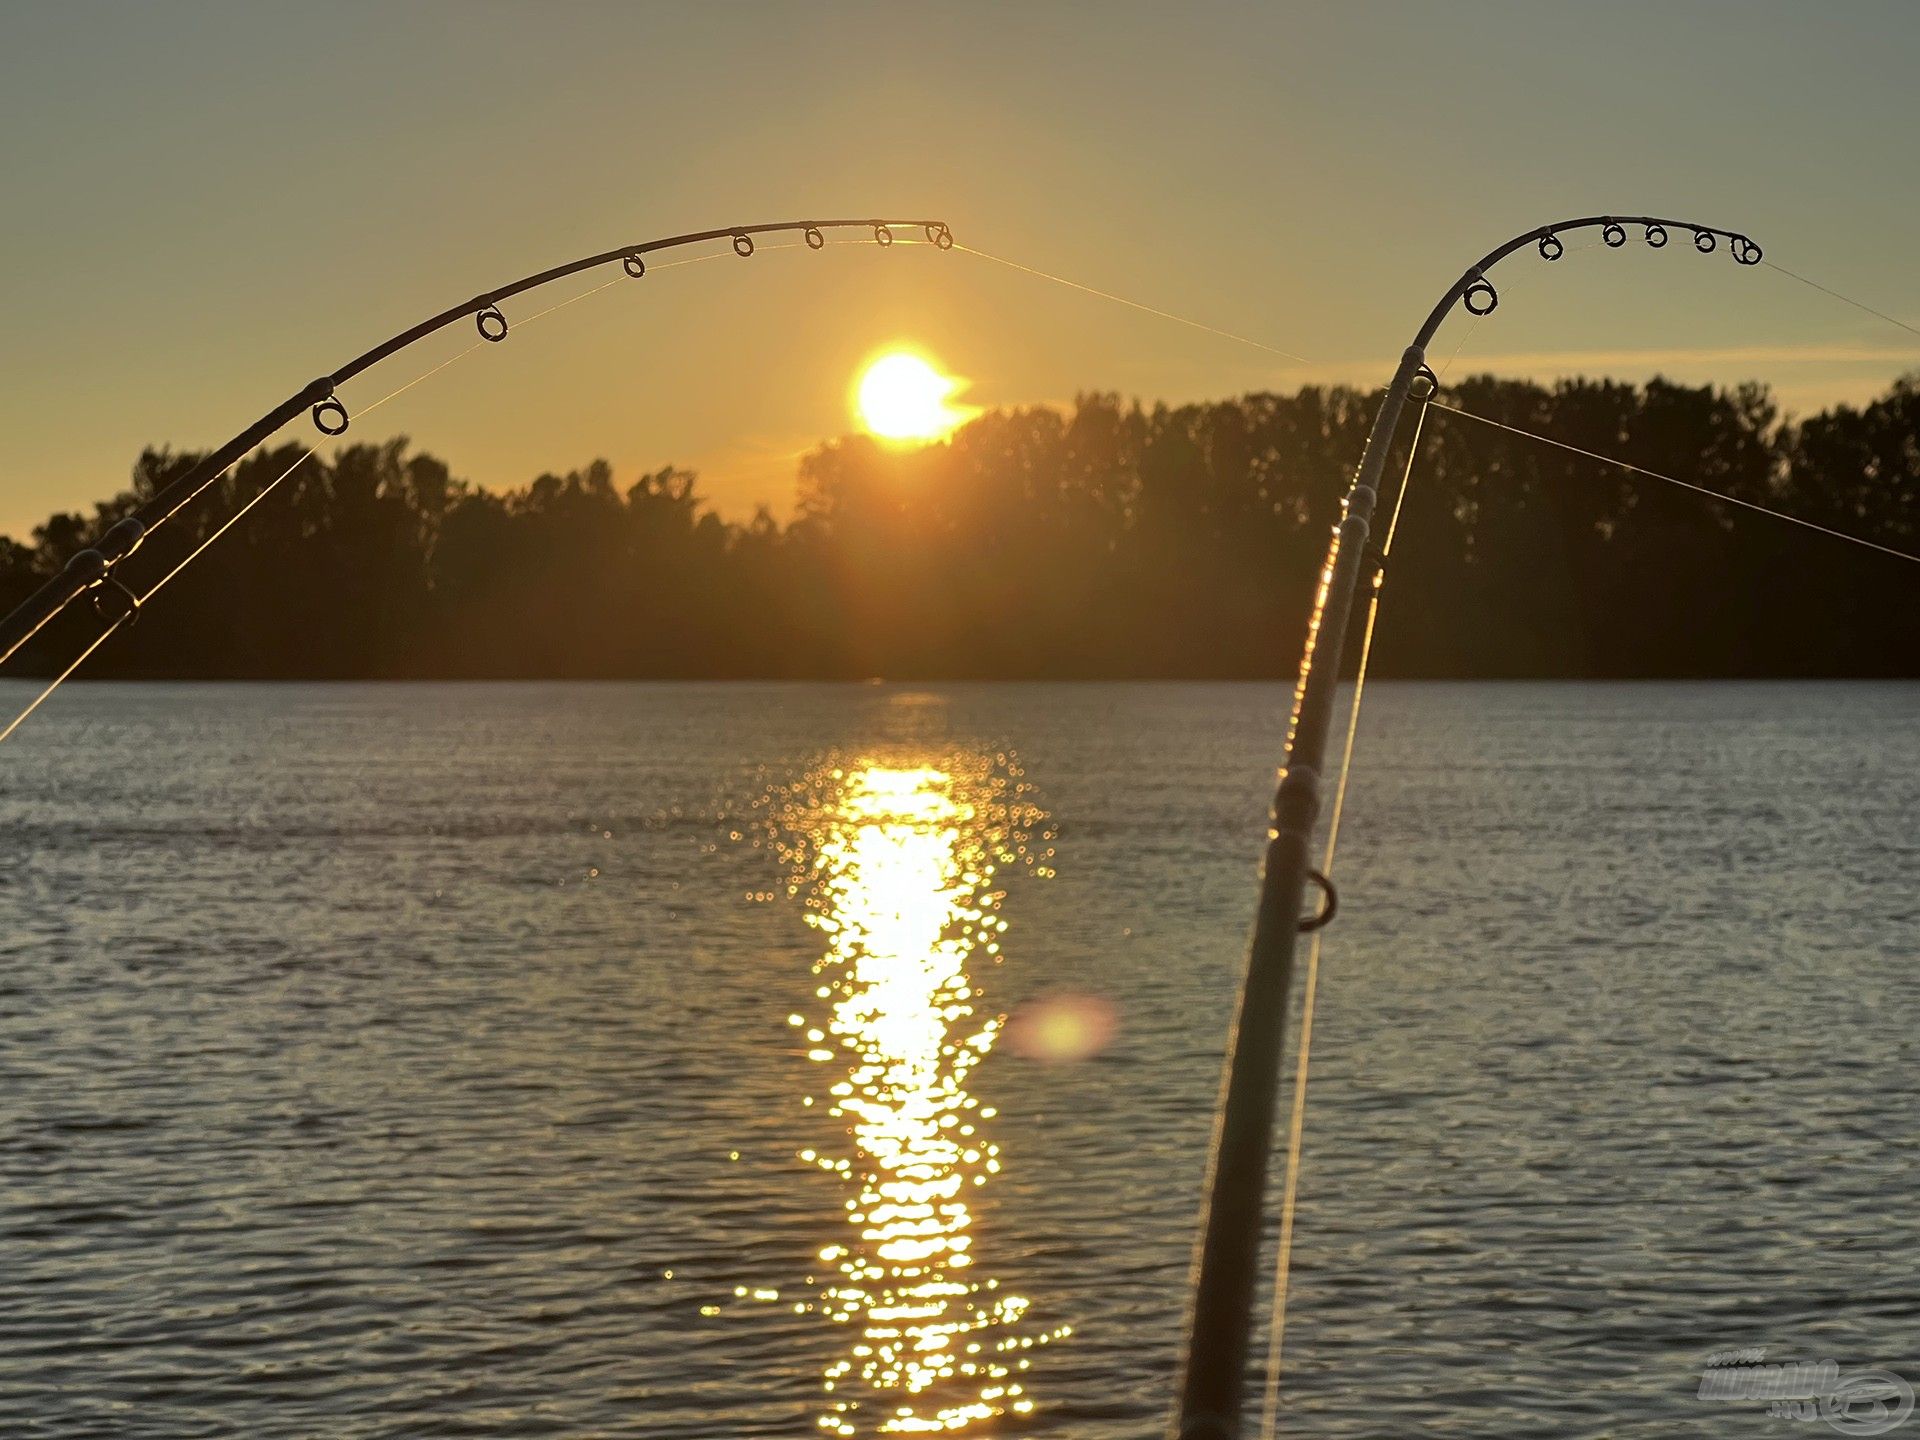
x=899, y=866
x=901, y=396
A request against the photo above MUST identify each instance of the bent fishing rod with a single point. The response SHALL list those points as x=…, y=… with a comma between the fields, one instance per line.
x=91, y=570
x=1213, y=1379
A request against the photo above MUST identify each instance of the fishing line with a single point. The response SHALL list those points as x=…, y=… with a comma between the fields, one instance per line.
x=576, y=299
x=133, y=608
x=80, y=659
x=137, y=601
x=1843, y=299
x=60, y=678
x=425, y=375
x=231, y=521
x=360, y=411
x=1683, y=484
x=1296, y=1128
x=218, y=475
x=371, y=406
x=1136, y=305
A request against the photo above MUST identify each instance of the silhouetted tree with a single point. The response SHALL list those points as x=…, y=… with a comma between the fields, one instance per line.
x=1110, y=539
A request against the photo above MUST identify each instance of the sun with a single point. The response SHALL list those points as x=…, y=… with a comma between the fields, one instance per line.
x=902, y=396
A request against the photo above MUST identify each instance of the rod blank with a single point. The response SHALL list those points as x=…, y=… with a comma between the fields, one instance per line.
x=1213, y=1380
x=91, y=567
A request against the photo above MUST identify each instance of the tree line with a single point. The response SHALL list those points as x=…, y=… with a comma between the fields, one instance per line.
x=1112, y=539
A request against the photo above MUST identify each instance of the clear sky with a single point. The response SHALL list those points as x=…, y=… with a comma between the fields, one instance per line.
x=207, y=204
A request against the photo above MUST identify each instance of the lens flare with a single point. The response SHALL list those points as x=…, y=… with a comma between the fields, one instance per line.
x=1063, y=1029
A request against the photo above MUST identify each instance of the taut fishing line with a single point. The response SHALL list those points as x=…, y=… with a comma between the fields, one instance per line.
x=1843, y=299
x=1137, y=305
x=1296, y=1125
x=1514, y=429
x=1683, y=484
x=134, y=602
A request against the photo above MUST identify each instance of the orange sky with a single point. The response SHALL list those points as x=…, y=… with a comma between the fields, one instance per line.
x=208, y=204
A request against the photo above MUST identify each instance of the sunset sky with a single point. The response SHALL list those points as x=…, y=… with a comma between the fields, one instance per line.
x=209, y=204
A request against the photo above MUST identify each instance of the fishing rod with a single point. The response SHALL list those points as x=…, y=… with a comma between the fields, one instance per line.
x=1213, y=1375
x=91, y=570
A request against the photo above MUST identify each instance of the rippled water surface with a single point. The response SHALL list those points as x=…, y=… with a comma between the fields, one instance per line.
x=718, y=1061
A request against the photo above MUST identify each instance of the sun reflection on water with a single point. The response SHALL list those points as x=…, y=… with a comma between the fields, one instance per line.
x=897, y=867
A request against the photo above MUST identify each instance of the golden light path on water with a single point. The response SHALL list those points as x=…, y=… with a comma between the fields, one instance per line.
x=897, y=867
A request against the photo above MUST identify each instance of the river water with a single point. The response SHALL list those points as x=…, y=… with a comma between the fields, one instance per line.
x=730, y=1060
